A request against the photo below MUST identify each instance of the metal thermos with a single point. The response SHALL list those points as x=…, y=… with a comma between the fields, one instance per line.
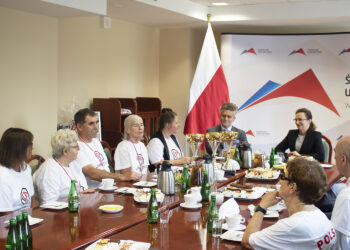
x=208, y=166
x=247, y=157
x=166, y=180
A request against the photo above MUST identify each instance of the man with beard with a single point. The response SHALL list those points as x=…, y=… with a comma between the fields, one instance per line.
x=91, y=157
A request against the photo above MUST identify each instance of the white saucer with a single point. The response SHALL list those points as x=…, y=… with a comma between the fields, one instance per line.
x=108, y=189
x=238, y=228
x=196, y=206
x=233, y=235
x=113, y=208
x=145, y=184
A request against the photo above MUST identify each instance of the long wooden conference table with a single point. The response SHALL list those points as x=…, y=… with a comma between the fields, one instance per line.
x=186, y=228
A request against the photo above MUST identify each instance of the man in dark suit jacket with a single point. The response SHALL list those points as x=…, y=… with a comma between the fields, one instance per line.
x=228, y=113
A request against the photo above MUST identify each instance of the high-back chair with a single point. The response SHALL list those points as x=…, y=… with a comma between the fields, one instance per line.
x=35, y=161
x=110, y=155
x=328, y=149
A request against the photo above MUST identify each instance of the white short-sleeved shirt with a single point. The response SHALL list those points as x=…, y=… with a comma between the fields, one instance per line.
x=16, y=189
x=91, y=153
x=156, y=149
x=303, y=230
x=131, y=155
x=341, y=217
x=52, y=181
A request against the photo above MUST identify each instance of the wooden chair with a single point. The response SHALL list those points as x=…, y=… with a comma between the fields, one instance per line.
x=328, y=149
x=110, y=155
x=35, y=161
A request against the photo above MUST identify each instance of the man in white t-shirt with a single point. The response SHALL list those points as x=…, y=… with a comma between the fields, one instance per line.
x=341, y=210
x=303, y=183
x=91, y=157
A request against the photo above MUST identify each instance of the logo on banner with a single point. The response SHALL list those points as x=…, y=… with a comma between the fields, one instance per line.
x=299, y=51
x=25, y=197
x=344, y=51
x=305, y=85
x=251, y=50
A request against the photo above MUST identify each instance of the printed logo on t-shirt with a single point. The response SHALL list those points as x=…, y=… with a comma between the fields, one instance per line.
x=99, y=156
x=140, y=159
x=25, y=197
x=176, y=154
x=326, y=240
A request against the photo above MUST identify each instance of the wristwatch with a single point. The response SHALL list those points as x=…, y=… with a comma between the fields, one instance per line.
x=260, y=209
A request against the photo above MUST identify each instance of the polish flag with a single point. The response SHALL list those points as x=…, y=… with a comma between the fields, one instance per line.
x=208, y=90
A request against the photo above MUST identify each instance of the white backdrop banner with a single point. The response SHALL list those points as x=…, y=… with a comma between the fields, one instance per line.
x=271, y=76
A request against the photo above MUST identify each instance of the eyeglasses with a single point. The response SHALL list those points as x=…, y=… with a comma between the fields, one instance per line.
x=300, y=119
x=137, y=125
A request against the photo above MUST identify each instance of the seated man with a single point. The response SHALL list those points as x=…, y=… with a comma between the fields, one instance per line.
x=303, y=183
x=91, y=157
x=341, y=210
x=228, y=113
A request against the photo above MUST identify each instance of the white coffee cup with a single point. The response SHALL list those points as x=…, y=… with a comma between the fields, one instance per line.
x=219, y=175
x=190, y=200
x=234, y=220
x=219, y=197
x=107, y=183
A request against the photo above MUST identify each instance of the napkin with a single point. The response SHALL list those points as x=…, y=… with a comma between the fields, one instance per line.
x=269, y=213
x=228, y=208
x=135, y=245
x=232, y=165
x=32, y=221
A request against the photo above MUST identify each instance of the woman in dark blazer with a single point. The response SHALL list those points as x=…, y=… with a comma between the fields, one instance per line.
x=304, y=140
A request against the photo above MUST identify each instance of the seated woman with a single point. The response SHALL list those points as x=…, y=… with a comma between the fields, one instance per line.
x=303, y=183
x=131, y=153
x=163, y=145
x=304, y=140
x=53, y=179
x=16, y=182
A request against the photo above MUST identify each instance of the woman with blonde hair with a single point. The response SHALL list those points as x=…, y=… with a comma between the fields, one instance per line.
x=131, y=154
x=52, y=180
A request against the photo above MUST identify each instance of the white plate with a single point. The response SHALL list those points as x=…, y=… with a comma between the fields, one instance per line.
x=196, y=206
x=145, y=184
x=142, y=198
x=277, y=207
x=55, y=205
x=324, y=165
x=222, y=180
x=135, y=244
x=125, y=190
x=110, y=208
x=253, y=196
x=32, y=221
x=233, y=235
x=108, y=189
x=109, y=246
x=238, y=228
x=227, y=194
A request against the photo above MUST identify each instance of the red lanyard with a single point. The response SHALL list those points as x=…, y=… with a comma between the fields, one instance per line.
x=96, y=153
x=77, y=185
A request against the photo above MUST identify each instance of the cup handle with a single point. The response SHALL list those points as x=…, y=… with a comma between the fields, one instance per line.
x=242, y=220
x=188, y=191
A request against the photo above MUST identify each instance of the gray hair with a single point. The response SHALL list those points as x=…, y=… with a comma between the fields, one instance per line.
x=128, y=122
x=61, y=140
x=229, y=106
x=343, y=147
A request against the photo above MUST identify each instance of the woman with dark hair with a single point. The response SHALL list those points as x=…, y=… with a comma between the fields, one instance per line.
x=16, y=182
x=163, y=145
x=303, y=183
x=304, y=140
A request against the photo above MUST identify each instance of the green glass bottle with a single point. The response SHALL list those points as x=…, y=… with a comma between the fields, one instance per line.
x=21, y=238
x=12, y=239
x=73, y=198
x=213, y=214
x=272, y=157
x=152, y=209
x=205, y=190
x=237, y=158
x=185, y=180
x=27, y=231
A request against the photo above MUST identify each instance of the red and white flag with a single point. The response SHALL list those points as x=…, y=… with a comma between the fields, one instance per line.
x=208, y=90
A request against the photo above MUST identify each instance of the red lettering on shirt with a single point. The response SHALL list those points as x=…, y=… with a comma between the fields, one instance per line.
x=320, y=244
x=326, y=239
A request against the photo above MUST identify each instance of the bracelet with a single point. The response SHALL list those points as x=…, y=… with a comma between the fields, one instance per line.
x=260, y=209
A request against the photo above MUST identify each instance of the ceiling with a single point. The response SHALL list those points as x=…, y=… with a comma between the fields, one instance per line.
x=193, y=13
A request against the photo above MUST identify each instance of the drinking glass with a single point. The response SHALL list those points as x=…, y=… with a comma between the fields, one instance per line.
x=164, y=212
x=217, y=228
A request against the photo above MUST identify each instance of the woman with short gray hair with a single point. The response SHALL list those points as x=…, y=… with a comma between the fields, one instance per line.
x=131, y=154
x=53, y=179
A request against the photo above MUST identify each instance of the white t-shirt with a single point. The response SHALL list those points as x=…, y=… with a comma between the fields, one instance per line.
x=16, y=189
x=131, y=155
x=341, y=217
x=52, y=182
x=156, y=149
x=91, y=153
x=303, y=230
